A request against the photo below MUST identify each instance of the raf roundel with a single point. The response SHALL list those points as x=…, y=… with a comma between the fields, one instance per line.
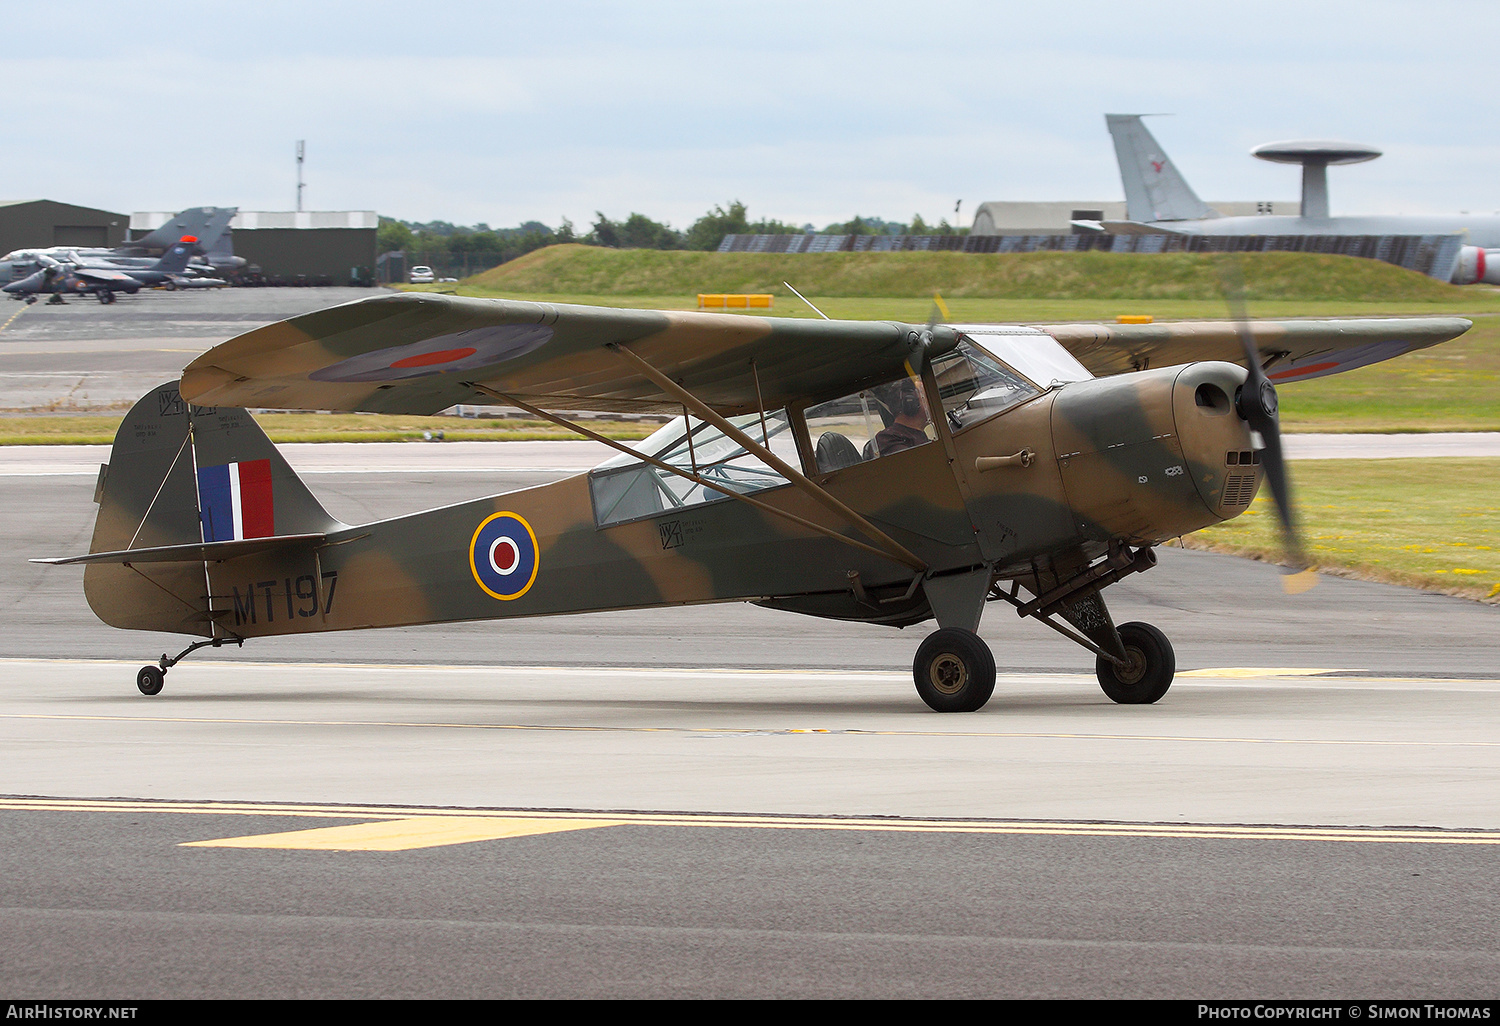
x=503, y=556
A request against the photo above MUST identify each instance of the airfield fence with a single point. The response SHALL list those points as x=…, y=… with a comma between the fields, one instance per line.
x=1433, y=255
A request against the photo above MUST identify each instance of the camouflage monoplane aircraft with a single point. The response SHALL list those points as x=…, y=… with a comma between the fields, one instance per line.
x=874, y=471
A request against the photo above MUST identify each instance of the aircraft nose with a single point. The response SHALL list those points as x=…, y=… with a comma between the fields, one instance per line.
x=1218, y=447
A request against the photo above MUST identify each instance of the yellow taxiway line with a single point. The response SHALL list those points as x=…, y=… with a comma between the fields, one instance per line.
x=394, y=828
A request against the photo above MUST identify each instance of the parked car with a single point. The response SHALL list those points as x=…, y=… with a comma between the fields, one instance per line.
x=421, y=275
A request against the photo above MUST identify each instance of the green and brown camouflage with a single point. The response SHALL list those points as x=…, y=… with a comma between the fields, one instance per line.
x=1045, y=483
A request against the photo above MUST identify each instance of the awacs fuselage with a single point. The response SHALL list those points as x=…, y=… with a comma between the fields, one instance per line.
x=1036, y=490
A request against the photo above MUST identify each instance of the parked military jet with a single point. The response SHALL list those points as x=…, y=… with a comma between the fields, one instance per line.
x=874, y=471
x=167, y=270
x=208, y=227
x=101, y=278
x=1159, y=200
x=59, y=279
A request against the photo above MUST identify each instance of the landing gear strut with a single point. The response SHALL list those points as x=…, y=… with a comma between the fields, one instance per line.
x=151, y=679
x=1149, y=666
x=1135, y=663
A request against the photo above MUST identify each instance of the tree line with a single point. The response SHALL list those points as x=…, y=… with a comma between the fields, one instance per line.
x=459, y=251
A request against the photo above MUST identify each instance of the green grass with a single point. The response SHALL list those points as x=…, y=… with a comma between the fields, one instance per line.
x=979, y=309
x=1430, y=523
x=596, y=271
x=1450, y=387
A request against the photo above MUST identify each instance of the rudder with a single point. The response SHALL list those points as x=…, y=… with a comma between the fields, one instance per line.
x=1154, y=189
x=182, y=474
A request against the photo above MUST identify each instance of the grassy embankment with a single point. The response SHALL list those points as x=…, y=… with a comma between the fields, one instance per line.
x=1452, y=387
x=1432, y=524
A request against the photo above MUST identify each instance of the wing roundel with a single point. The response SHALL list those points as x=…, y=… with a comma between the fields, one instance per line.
x=420, y=353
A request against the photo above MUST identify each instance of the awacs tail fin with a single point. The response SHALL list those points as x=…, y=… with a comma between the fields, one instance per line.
x=187, y=486
x=1154, y=190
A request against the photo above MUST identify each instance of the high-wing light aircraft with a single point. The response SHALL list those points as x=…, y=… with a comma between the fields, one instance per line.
x=873, y=471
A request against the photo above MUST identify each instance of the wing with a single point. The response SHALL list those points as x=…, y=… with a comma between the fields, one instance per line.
x=100, y=274
x=1292, y=350
x=418, y=353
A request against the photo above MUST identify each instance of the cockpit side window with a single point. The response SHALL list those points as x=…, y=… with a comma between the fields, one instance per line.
x=628, y=488
x=867, y=425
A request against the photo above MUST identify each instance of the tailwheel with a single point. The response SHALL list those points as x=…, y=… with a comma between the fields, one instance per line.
x=150, y=680
x=1148, y=671
x=954, y=670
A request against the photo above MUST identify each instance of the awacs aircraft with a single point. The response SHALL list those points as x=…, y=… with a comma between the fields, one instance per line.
x=873, y=471
x=1159, y=200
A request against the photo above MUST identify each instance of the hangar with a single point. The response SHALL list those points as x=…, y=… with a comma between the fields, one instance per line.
x=40, y=223
x=288, y=245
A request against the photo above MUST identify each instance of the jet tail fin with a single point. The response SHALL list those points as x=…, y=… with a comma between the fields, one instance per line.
x=175, y=259
x=1154, y=189
x=206, y=224
x=189, y=476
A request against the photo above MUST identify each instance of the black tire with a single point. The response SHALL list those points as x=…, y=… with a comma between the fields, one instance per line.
x=1152, y=666
x=150, y=680
x=954, y=670
x=106, y=297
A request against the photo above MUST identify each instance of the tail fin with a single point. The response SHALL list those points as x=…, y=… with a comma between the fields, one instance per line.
x=1154, y=189
x=204, y=223
x=175, y=259
x=179, y=475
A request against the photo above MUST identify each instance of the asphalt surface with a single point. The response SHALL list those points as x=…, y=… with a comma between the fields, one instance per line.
x=1051, y=845
x=86, y=357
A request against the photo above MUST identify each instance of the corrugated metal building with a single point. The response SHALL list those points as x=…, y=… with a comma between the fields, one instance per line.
x=289, y=244
x=39, y=224
x=1053, y=218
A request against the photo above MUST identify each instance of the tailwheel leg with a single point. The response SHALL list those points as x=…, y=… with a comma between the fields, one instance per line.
x=1147, y=671
x=151, y=679
x=954, y=670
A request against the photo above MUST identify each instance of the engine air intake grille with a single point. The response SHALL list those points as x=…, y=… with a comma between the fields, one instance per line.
x=1239, y=489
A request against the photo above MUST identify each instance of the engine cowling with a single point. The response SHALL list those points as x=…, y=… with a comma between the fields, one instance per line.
x=1477, y=266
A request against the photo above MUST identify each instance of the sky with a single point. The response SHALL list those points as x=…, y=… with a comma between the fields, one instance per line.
x=806, y=111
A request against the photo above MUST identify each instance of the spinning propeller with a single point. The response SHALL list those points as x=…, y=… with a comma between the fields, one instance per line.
x=1256, y=403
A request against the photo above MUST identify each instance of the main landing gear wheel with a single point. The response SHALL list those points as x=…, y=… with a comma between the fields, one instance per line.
x=106, y=296
x=150, y=680
x=1147, y=675
x=954, y=670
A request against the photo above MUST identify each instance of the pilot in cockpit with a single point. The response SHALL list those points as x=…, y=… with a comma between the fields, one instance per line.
x=907, y=428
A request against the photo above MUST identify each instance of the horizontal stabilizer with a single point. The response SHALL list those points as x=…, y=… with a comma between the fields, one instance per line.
x=195, y=552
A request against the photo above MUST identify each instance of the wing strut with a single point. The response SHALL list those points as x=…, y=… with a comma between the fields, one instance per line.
x=913, y=562
x=821, y=495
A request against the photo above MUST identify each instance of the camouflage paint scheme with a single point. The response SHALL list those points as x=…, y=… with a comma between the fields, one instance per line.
x=1127, y=460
